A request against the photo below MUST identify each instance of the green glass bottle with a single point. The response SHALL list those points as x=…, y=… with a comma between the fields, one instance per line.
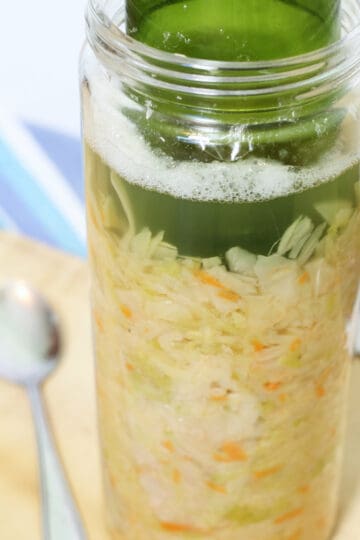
x=235, y=30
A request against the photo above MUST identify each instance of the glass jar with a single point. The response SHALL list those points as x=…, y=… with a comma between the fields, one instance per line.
x=224, y=237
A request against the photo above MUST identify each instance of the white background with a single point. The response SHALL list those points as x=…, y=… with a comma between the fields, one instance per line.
x=40, y=42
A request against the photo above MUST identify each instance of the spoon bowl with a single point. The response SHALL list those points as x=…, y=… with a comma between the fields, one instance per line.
x=29, y=335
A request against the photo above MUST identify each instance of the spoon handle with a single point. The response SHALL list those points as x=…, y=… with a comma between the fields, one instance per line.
x=61, y=519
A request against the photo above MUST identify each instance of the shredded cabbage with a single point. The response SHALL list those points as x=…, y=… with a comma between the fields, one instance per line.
x=222, y=388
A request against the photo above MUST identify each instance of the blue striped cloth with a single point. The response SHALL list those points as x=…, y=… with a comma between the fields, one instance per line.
x=41, y=186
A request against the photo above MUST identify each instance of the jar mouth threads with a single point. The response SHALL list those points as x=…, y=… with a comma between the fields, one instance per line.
x=310, y=74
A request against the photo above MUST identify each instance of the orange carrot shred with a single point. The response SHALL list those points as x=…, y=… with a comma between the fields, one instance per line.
x=113, y=480
x=288, y=516
x=169, y=446
x=320, y=391
x=176, y=527
x=229, y=295
x=208, y=279
x=126, y=311
x=272, y=386
x=99, y=322
x=129, y=366
x=258, y=346
x=325, y=374
x=296, y=535
x=267, y=472
x=295, y=345
x=229, y=452
x=304, y=278
x=222, y=397
x=321, y=523
x=217, y=488
x=304, y=489
x=176, y=476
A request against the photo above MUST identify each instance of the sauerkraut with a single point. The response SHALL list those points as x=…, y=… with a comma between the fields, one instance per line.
x=222, y=380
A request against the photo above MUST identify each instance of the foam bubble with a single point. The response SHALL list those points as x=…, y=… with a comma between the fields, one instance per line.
x=116, y=139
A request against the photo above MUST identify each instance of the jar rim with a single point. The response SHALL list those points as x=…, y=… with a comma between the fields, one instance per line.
x=336, y=63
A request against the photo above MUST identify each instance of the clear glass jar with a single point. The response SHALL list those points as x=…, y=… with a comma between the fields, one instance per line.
x=224, y=236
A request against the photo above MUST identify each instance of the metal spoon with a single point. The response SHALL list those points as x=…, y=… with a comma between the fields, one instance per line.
x=29, y=351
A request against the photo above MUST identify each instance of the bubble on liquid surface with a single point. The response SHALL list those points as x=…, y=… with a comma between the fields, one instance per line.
x=116, y=139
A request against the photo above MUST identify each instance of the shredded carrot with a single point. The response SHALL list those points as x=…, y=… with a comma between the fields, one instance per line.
x=113, y=480
x=126, y=311
x=326, y=373
x=229, y=295
x=267, y=472
x=272, y=386
x=217, y=488
x=304, y=278
x=320, y=388
x=283, y=398
x=229, y=452
x=222, y=397
x=208, y=279
x=321, y=523
x=129, y=366
x=304, y=489
x=99, y=322
x=296, y=535
x=176, y=476
x=176, y=527
x=295, y=345
x=169, y=446
x=258, y=346
x=288, y=516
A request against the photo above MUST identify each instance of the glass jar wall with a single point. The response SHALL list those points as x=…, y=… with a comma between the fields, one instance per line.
x=223, y=217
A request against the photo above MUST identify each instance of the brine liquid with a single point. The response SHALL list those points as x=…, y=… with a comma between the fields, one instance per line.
x=201, y=228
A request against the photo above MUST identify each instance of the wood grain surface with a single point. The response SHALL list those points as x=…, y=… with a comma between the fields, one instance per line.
x=71, y=399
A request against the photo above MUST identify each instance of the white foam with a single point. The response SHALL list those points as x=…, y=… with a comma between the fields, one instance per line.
x=121, y=146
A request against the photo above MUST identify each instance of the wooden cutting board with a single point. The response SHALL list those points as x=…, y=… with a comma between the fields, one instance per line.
x=71, y=399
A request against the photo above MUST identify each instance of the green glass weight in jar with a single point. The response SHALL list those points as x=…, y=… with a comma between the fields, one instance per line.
x=233, y=30
x=222, y=171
